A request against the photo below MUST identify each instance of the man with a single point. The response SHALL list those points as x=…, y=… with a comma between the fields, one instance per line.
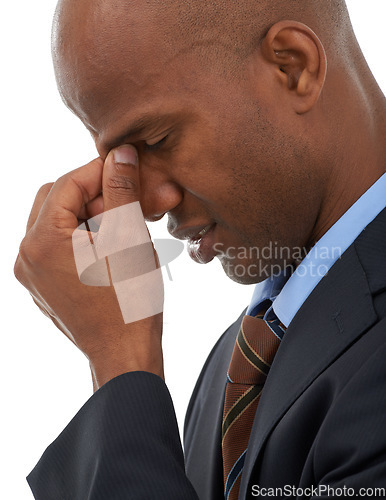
x=247, y=123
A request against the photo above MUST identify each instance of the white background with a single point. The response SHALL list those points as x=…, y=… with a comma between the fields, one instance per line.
x=44, y=379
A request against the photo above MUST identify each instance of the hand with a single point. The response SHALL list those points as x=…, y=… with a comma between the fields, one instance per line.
x=89, y=316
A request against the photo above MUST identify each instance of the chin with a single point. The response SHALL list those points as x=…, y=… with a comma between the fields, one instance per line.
x=245, y=273
x=244, y=280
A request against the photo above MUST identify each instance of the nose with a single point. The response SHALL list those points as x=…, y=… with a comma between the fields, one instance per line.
x=158, y=195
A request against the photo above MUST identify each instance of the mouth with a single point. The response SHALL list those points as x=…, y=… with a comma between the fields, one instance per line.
x=200, y=247
x=200, y=242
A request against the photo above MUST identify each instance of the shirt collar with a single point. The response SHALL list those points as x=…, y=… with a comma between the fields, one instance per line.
x=267, y=289
x=288, y=295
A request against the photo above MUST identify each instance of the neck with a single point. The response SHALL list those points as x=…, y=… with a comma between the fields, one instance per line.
x=356, y=147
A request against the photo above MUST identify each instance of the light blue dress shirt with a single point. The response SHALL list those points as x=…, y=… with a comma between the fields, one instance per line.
x=288, y=295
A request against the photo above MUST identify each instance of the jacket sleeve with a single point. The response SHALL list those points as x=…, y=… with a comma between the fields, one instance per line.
x=123, y=444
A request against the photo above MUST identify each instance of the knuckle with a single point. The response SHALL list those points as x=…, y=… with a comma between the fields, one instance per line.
x=45, y=189
x=47, y=186
x=30, y=251
x=23, y=251
x=17, y=270
x=71, y=179
x=24, y=261
x=120, y=181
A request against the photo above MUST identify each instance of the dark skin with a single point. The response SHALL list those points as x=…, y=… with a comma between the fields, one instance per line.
x=249, y=147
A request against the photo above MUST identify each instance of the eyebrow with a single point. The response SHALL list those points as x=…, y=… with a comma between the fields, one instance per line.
x=135, y=127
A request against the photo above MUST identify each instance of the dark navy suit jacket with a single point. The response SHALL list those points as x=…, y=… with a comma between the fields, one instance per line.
x=321, y=419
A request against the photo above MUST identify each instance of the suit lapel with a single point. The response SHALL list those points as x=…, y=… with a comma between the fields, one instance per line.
x=336, y=313
x=202, y=437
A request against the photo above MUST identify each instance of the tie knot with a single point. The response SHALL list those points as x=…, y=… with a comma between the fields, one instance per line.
x=255, y=348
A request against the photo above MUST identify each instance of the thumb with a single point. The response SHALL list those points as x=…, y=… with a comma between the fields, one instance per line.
x=122, y=225
x=120, y=177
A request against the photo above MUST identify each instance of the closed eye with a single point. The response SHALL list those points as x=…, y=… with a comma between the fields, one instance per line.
x=155, y=146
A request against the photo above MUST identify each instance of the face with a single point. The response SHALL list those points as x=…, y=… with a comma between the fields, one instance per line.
x=215, y=152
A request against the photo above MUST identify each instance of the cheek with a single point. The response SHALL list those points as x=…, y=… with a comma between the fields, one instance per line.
x=197, y=169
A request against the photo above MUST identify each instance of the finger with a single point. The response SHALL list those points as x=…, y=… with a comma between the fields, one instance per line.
x=123, y=225
x=120, y=177
x=39, y=200
x=72, y=192
x=93, y=208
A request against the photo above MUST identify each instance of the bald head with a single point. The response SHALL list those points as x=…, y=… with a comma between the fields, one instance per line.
x=222, y=32
x=241, y=25
x=236, y=25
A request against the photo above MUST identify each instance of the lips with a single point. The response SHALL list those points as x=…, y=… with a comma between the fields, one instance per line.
x=200, y=241
x=188, y=233
x=200, y=246
x=201, y=233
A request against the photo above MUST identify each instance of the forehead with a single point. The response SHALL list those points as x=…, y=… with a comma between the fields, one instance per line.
x=116, y=67
x=99, y=48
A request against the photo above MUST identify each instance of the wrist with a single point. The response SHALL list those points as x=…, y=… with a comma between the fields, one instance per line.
x=139, y=349
x=111, y=368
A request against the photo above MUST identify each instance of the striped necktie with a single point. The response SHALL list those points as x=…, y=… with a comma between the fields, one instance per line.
x=253, y=353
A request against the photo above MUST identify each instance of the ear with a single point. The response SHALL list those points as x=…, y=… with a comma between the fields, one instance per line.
x=298, y=62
